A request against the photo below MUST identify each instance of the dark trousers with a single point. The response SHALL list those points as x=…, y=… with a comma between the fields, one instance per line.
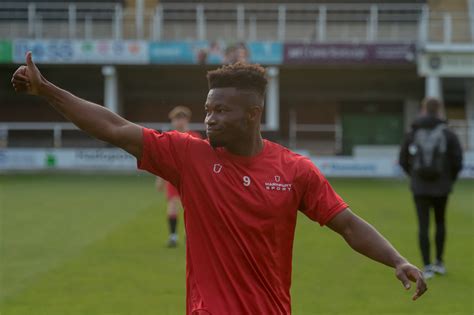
x=423, y=207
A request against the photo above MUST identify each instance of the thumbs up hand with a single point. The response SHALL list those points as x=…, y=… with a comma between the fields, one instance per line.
x=28, y=79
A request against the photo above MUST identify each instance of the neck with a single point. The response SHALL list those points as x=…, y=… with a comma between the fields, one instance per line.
x=249, y=146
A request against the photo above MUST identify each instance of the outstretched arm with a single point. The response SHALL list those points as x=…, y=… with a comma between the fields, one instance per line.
x=365, y=239
x=94, y=119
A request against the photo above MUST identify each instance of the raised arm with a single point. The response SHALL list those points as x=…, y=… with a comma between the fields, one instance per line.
x=365, y=239
x=94, y=119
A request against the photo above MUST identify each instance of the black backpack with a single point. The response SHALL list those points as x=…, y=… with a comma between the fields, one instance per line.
x=429, y=152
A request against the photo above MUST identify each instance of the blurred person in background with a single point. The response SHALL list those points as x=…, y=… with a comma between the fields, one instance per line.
x=241, y=193
x=180, y=117
x=431, y=155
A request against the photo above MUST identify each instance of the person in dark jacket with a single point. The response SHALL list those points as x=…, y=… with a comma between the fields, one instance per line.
x=431, y=155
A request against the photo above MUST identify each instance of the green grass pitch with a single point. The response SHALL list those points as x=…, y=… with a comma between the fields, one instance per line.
x=95, y=244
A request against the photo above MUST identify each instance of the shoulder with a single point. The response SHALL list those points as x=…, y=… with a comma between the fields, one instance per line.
x=301, y=165
x=173, y=137
x=195, y=134
x=283, y=153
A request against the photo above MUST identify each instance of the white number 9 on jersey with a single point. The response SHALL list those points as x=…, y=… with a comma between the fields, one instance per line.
x=246, y=180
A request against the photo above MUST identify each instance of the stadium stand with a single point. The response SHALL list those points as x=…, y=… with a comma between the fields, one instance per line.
x=316, y=102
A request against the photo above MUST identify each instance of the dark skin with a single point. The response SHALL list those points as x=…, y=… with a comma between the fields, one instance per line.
x=233, y=122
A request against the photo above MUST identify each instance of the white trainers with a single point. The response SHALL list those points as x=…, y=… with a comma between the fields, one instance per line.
x=439, y=268
x=428, y=272
x=172, y=241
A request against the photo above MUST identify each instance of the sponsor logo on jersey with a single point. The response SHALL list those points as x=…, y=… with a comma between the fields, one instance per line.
x=276, y=185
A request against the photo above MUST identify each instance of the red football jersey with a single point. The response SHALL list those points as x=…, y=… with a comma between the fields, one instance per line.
x=240, y=215
x=171, y=191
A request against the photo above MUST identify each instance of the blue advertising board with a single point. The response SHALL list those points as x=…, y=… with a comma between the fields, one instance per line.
x=44, y=51
x=82, y=51
x=268, y=53
x=215, y=52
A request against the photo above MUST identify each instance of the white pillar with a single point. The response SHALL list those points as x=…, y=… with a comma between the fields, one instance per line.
x=411, y=108
x=72, y=21
x=433, y=87
x=281, y=22
x=118, y=22
x=470, y=114
x=252, y=28
x=157, y=23
x=321, y=25
x=240, y=22
x=139, y=13
x=31, y=19
x=272, y=103
x=200, y=22
x=110, y=88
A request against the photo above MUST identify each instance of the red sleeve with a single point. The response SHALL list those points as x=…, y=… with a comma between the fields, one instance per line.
x=319, y=202
x=164, y=154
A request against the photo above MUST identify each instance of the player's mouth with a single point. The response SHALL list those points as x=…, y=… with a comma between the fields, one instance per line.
x=213, y=131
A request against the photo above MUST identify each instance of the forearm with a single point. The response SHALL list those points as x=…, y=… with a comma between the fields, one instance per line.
x=365, y=239
x=94, y=119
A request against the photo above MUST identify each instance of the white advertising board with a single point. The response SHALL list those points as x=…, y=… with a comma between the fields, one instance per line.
x=66, y=159
x=446, y=64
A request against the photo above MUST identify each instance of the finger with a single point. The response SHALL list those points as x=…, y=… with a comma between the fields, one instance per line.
x=404, y=279
x=20, y=87
x=20, y=70
x=421, y=288
x=20, y=82
x=20, y=79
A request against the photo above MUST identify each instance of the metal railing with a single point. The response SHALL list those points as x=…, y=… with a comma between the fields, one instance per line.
x=223, y=21
x=57, y=129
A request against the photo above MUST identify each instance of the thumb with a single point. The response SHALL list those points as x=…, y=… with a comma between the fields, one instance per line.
x=29, y=61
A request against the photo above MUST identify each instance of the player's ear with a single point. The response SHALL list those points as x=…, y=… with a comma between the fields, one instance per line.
x=254, y=113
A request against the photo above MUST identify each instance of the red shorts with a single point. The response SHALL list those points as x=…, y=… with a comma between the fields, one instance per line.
x=171, y=191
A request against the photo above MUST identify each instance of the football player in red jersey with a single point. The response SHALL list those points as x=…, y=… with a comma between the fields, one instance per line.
x=180, y=117
x=241, y=193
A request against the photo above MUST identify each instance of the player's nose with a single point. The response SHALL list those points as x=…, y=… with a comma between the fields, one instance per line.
x=210, y=120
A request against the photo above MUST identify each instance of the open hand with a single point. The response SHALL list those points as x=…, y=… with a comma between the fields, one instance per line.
x=407, y=272
x=28, y=79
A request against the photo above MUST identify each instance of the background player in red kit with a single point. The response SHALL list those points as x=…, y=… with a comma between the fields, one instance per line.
x=241, y=193
x=179, y=117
